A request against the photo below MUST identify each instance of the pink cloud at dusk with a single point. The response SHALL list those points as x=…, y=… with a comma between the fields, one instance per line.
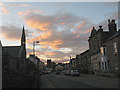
x=12, y=33
x=54, y=32
x=5, y=10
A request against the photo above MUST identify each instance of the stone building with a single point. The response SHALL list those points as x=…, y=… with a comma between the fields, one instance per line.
x=83, y=62
x=35, y=60
x=110, y=53
x=41, y=66
x=53, y=66
x=78, y=62
x=14, y=57
x=73, y=63
x=49, y=63
x=97, y=40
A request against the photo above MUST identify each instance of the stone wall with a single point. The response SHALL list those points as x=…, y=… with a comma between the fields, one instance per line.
x=112, y=57
x=95, y=59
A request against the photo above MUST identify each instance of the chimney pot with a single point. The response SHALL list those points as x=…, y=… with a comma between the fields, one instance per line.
x=109, y=20
x=113, y=20
x=100, y=27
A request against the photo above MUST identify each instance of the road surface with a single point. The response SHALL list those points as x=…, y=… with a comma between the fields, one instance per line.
x=84, y=81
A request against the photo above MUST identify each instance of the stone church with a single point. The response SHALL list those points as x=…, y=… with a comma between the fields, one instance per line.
x=14, y=57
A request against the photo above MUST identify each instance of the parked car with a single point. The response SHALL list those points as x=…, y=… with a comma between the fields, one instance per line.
x=68, y=72
x=49, y=71
x=65, y=72
x=40, y=73
x=57, y=72
x=74, y=73
x=45, y=72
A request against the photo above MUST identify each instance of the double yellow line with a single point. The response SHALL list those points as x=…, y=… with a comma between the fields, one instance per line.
x=50, y=85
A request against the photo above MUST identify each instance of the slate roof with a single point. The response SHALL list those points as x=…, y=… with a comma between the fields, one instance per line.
x=87, y=51
x=113, y=36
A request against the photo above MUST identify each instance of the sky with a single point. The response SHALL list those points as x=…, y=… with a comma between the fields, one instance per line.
x=62, y=28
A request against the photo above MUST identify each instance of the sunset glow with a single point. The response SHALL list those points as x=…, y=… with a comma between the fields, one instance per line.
x=62, y=29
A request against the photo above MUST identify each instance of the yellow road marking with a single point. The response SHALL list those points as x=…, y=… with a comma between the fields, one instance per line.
x=50, y=85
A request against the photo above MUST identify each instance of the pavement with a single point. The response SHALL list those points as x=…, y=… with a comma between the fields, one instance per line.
x=84, y=81
x=100, y=77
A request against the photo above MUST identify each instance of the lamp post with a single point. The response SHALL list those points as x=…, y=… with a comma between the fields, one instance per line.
x=34, y=46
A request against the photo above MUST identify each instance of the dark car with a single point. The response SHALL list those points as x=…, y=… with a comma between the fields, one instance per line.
x=74, y=73
x=57, y=72
x=44, y=72
x=40, y=73
x=65, y=72
x=68, y=72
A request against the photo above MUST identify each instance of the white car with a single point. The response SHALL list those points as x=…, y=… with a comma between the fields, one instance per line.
x=74, y=73
x=49, y=71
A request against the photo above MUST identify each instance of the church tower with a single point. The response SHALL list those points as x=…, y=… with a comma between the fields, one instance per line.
x=23, y=40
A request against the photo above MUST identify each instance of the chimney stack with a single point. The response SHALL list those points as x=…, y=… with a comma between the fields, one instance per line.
x=113, y=20
x=108, y=20
x=112, y=26
x=100, y=27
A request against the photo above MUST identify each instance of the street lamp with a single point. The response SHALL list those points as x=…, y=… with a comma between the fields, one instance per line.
x=34, y=46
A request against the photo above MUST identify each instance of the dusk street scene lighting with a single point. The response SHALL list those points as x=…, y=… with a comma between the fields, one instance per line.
x=60, y=44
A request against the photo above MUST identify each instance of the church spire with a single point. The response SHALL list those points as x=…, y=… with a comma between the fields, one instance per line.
x=23, y=41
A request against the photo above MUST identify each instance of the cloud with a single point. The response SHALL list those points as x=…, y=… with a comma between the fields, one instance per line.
x=56, y=56
x=110, y=4
x=29, y=51
x=104, y=23
x=19, y=5
x=5, y=10
x=44, y=46
x=53, y=44
x=1, y=4
x=25, y=5
x=56, y=32
x=40, y=37
x=48, y=22
x=30, y=11
x=12, y=32
x=59, y=32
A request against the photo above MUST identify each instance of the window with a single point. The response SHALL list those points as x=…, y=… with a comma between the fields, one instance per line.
x=115, y=48
x=102, y=65
x=103, y=51
x=116, y=64
x=105, y=65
